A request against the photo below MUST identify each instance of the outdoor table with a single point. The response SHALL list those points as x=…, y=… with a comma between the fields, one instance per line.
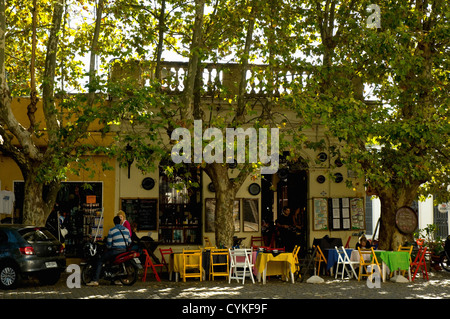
x=355, y=256
x=394, y=260
x=367, y=258
x=176, y=263
x=272, y=264
x=332, y=257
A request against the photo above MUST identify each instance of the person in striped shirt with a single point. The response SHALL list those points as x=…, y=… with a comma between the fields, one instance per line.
x=118, y=237
x=116, y=243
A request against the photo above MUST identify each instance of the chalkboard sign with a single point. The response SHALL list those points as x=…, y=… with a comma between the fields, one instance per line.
x=143, y=211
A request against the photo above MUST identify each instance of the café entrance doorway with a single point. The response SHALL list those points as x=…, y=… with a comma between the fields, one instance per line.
x=289, y=187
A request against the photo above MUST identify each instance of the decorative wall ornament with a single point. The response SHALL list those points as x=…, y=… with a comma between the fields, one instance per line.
x=148, y=183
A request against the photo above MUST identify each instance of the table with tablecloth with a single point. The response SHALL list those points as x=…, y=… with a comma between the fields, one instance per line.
x=332, y=257
x=274, y=264
x=389, y=260
x=176, y=263
x=394, y=260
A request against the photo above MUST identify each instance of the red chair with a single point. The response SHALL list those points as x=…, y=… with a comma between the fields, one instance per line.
x=347, y=245
x=149, y=263
x=164, y=252
x=257, y=239
x=420, y=264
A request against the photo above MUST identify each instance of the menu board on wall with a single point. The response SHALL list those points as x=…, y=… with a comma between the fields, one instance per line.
x=340, y=213
x=357, y=213
x=143, y=211
x=320, y=213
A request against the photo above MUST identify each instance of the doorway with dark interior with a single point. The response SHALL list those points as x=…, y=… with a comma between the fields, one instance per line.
x=289, y=187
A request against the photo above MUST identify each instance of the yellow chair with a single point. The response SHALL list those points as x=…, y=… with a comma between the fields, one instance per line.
x=408, y=250
x=319, y=258
x=220, y=262
x=367, y=258
x=208, y=242
x=192, y=264
x=297, y=263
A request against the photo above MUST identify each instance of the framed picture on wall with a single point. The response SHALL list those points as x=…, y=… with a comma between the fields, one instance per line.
x=250, y=214
x=320, y=213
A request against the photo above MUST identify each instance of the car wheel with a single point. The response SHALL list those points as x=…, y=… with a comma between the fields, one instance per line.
x=9, y=276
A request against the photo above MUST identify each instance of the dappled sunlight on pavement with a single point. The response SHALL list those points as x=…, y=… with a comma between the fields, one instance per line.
x=438, y=287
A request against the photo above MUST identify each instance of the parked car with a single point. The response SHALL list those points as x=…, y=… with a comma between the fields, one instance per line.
x=29, y=251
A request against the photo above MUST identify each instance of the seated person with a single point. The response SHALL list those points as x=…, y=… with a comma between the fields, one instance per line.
x=363, y=243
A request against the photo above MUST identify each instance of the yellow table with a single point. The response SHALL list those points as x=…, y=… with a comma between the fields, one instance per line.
x=269, y=265
x=176, y=264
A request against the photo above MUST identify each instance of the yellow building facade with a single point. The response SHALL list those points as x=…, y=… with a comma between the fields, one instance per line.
x=315, y=185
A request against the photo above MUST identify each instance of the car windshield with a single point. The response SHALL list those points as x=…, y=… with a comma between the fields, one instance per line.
x=36, y=234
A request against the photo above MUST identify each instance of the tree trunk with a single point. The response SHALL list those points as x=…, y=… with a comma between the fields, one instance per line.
x=33, y=203
x=38, y=205
x=225, y=196
x=390, y=236
x=224, y=219
x=391, y=200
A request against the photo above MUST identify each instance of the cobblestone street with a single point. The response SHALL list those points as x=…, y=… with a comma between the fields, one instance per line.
x=178, y=297
x=438, y=287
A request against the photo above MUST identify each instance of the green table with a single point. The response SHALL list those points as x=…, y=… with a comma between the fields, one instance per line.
x=394, y=260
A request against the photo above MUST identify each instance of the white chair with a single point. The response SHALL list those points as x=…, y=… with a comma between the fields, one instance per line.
x=241, y=264
x=344, y=260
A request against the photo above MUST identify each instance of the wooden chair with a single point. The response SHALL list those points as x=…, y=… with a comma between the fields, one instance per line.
x=149, y=263
x=297, y=263
x=220, y=262
x=165, y=252
x=408, y=250
x=241, y=264
x=347, y=245
x=367, y=258
x=420, y=244
x=256, y=239
x=192, y=264
x=319, y=258
x=345, y=261
x=419, y=263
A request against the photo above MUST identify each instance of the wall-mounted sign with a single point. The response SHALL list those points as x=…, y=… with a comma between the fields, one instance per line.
x=406, y=220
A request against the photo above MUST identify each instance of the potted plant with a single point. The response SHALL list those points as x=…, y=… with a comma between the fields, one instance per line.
x=433, y=242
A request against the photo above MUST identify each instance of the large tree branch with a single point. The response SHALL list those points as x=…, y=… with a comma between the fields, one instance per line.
x=48, y=85
x=187, y=111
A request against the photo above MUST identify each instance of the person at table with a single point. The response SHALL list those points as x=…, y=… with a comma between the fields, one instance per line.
x=363, y=243
x=284, y=225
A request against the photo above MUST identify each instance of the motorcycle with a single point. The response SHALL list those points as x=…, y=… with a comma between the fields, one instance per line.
x=445, y=255
x=123, y=267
